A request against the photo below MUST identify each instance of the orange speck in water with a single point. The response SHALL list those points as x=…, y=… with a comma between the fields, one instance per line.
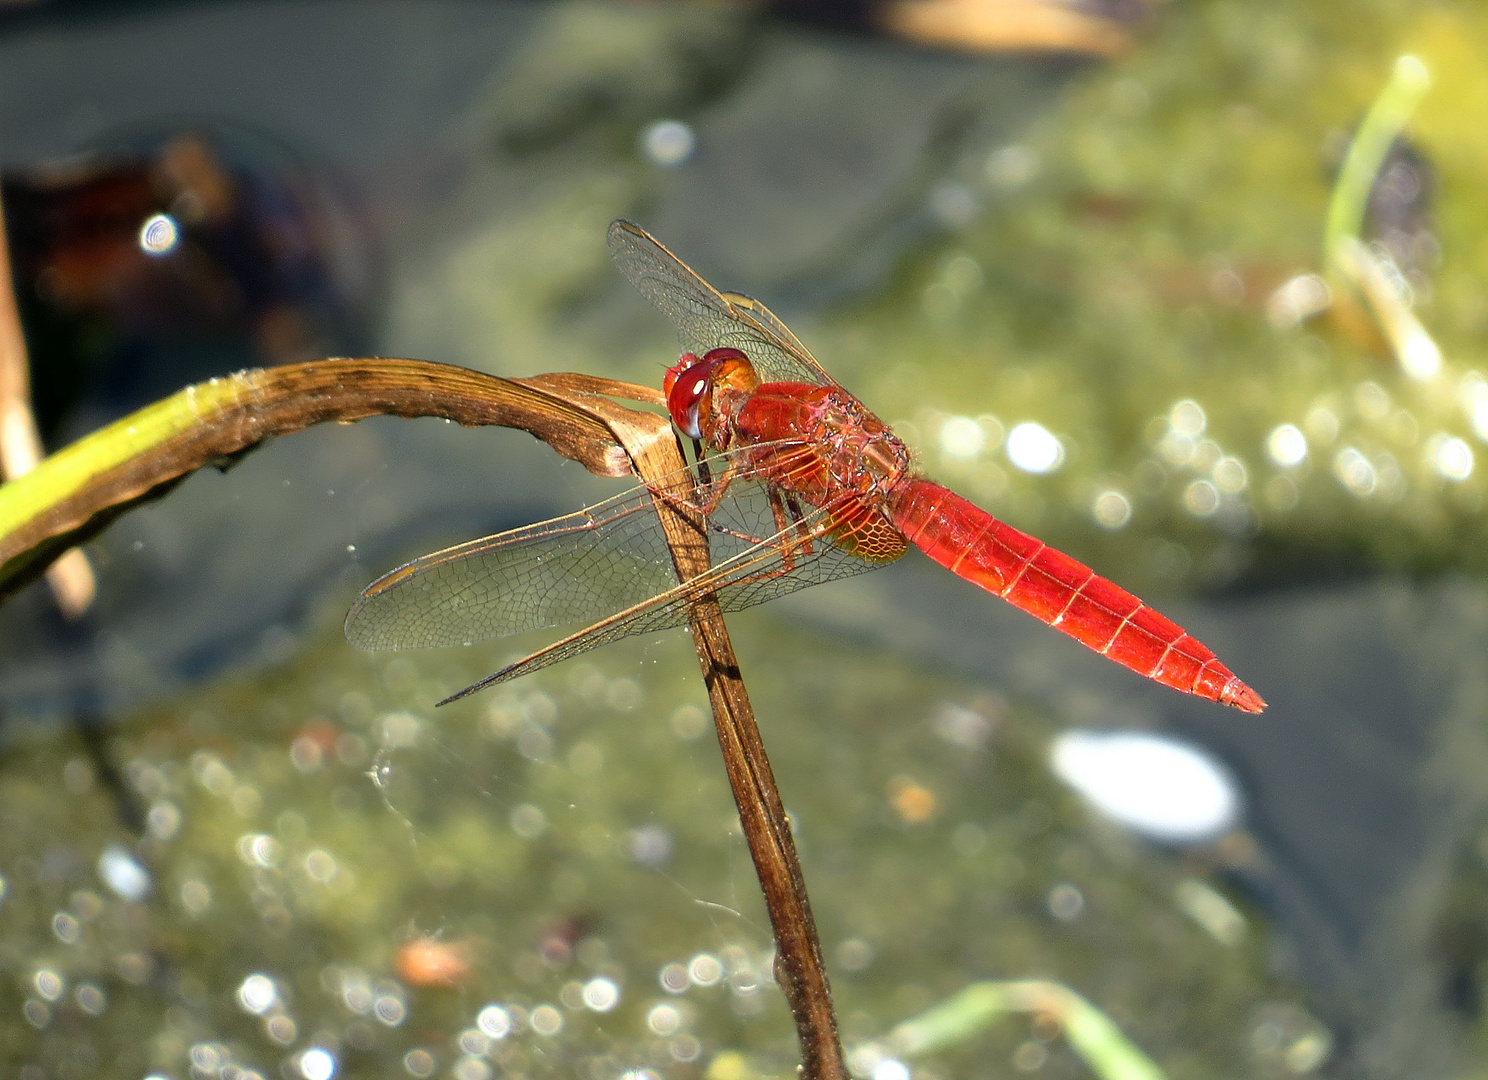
x=914, y=803
x=320, y=732
x=1045, y=1026
x=429, y=962
x=313, y=744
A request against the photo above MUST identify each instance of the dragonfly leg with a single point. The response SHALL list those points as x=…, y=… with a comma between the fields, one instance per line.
x=787, y=465
x=790, y=526
x=698, y=455
x=798, y=517
x=784, y=529
x=791, y=534
x=712, y=489
x=715, y=489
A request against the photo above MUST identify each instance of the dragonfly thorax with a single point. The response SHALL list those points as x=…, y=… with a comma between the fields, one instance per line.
x=859, y=450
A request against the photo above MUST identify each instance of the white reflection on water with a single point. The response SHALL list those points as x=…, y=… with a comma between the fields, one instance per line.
x=1449, y=456
x=961, y=437
x=1111, y=509
x=1355, y=472
x=1034, y=448
x=317, y=1064
x=123, y=873
x=668, y=143
x=1157, y=786
x=159, y=235
x=1286, y=445
x=1187, y=417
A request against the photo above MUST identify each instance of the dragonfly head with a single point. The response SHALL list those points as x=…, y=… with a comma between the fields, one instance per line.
x=691, y=381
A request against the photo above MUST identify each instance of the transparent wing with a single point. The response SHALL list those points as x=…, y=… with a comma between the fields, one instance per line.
x=706, y=318
x=800, y=555
x=586, y=567
x=568, y=569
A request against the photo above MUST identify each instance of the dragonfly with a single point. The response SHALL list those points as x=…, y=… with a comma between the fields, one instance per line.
x=798, y=484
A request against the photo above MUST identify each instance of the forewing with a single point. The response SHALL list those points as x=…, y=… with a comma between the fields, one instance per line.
x=574, y=569
x=749, y=310
x=570, y=569
x=705, y=318
x=744, y=574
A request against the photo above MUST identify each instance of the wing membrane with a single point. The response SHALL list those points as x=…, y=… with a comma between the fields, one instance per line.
x=577, y=568
x=568, y=569
x=706, y=318
x=798, y=556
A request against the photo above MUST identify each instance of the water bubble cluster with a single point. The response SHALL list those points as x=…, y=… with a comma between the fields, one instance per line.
x=1217, y=491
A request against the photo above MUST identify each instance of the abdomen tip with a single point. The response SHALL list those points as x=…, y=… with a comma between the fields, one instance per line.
x=1242, y=697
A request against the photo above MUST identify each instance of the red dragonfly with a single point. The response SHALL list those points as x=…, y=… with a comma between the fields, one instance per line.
x=800, y=484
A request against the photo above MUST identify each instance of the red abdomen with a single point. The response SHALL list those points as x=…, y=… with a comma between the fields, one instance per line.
x=1057, y=590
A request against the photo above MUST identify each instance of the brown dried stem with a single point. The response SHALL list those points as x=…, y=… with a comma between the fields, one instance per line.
x=798, y=965
x=77, y=492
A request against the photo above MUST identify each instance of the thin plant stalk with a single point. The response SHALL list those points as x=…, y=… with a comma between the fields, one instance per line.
x=71, y=576
x=1382, y=125
x=799, y=968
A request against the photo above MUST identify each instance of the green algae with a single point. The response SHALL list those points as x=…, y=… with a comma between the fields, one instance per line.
x=1129, y=258
x=304, y=826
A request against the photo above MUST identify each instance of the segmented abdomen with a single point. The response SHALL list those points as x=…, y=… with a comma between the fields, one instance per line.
x=1061, y=592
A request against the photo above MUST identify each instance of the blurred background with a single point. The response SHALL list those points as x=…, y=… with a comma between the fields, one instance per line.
x=1194, y=291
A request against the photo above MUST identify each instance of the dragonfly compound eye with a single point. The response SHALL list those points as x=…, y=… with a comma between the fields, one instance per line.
x=686, y=362
x=685, y=397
